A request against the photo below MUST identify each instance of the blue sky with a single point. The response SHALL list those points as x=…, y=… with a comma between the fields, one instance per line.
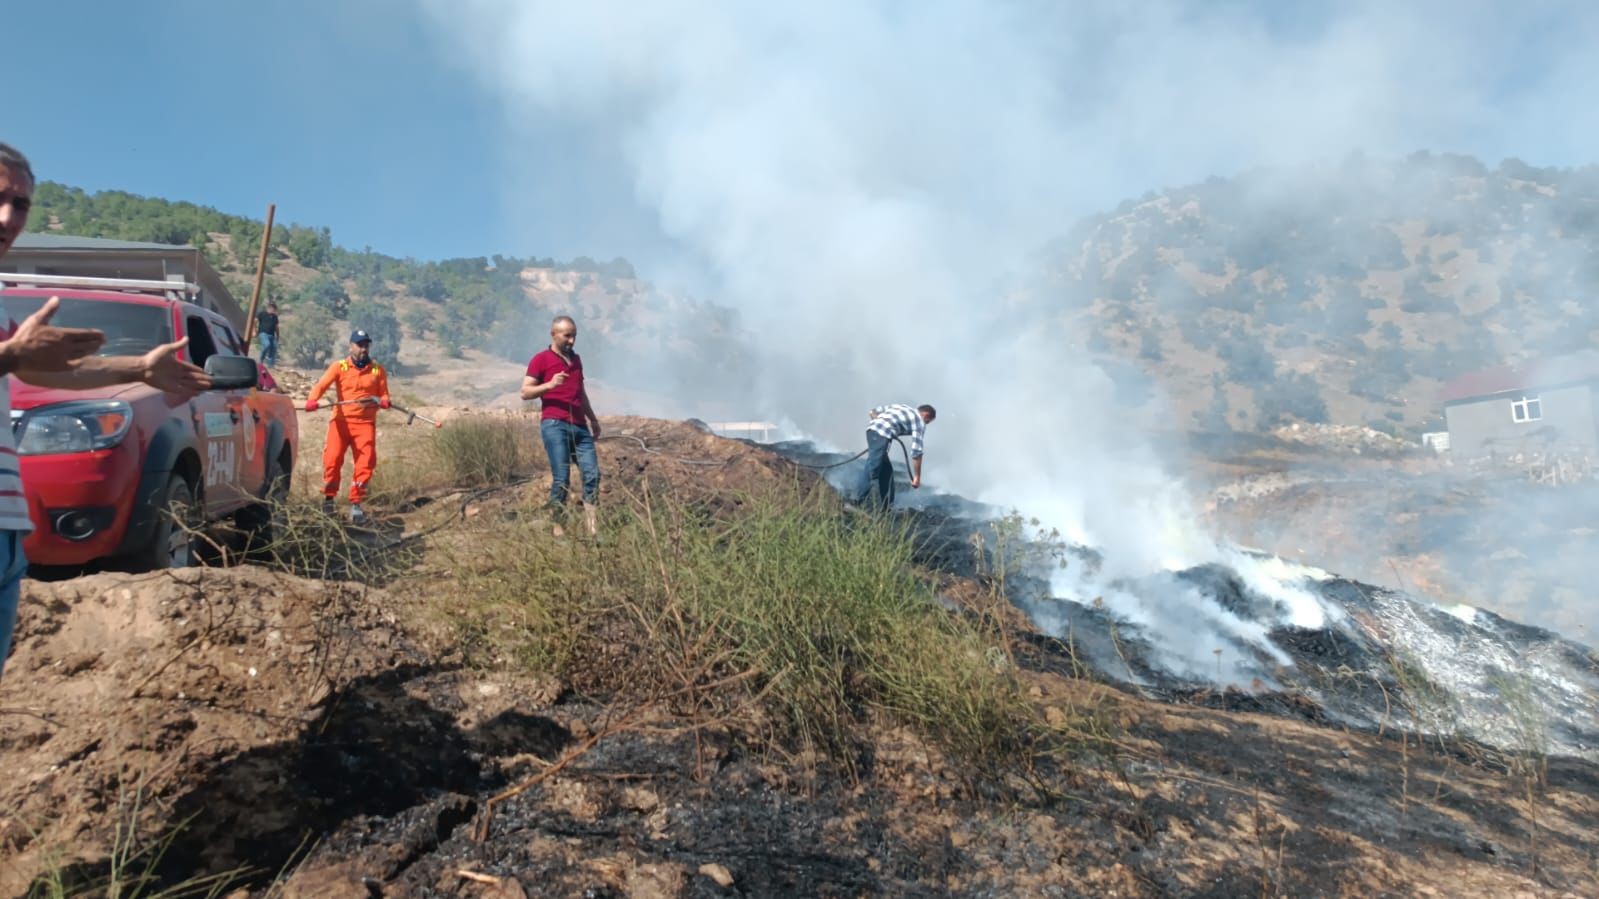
x=341, y=115
x=360, y=116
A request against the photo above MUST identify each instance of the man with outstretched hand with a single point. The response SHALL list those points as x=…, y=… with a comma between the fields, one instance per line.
x=889, y=422
x=361, y=388
x=64, y=358
x=567, y=425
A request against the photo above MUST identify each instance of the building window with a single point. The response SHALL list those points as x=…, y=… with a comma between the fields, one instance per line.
x=1528, y=408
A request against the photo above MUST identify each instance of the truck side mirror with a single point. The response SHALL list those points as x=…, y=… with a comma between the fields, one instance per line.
x=232, y=372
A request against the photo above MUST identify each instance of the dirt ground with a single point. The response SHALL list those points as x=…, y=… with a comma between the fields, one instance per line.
x=314, y=739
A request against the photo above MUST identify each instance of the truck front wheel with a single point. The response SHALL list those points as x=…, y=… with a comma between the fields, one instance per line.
x=177, y=517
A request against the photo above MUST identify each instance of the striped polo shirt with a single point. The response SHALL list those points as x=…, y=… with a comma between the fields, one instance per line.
x=899, y=420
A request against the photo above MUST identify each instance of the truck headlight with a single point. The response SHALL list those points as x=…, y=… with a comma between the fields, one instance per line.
x=75, y=427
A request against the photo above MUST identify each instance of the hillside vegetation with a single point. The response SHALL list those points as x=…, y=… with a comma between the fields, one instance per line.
x=499, y=306
x=1348, y=293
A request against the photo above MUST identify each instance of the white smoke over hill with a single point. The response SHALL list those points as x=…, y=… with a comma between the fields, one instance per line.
x=855, y=177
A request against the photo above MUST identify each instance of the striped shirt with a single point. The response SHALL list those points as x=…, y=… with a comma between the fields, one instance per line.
x=899, y=420
x=13, y=504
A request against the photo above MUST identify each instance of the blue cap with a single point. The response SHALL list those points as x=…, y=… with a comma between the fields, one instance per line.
x=360, y=336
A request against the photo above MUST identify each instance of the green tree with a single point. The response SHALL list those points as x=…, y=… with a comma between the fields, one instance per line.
x=307, y=335
x=1347, y=314
x=420, y=321
x=244, y=241
x=1290, y=396
x=327, y=292
x=426, y=282
x=371, y=286
x=311, y=247
x=1248, y=360
x=378, y=320
x=453, y=336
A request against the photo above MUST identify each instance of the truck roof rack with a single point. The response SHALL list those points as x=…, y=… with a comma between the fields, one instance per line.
x=177, y=290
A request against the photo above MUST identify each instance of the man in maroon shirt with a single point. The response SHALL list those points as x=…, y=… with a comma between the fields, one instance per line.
x=568, y=425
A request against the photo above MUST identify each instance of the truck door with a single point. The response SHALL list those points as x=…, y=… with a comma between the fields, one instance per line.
x=217, y=416
x=252, y=429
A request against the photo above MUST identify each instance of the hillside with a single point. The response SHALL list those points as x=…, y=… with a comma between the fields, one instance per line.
x=1345, y=294
x=744, y=688
x=466, y=707
x=468, y=324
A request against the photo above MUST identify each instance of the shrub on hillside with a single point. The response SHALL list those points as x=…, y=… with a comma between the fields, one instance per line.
x=1418, y=300
x=1214, y=415
x=1347, y=314
x=1376, y=384
x=454, y=335
x=1200, y=331
x=378, y=320
x=1243, y=296
x=811, y=623
x=371, y=286
x=325, y=291
x=1248, y=360
x=1149, y=346
x=477, y=451
x=420, y=321
x=522, y=330
x=310, y=247
x=426, y=282
x=1209, y=260
x=244, y=242
x=307, y=334
x=1289, y=397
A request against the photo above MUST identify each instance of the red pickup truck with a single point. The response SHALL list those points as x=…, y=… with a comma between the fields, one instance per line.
x=102, y=468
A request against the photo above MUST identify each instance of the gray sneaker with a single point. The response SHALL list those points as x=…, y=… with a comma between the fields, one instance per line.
x=357, y=514
x=327, y=507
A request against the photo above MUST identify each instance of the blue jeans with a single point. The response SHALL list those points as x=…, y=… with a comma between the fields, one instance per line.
x=877, y=481
x=269, y=349
x=12, y=567
x=562, y=441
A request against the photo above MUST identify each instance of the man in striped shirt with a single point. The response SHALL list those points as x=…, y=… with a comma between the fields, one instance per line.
x=41, y=353
x=889, y=422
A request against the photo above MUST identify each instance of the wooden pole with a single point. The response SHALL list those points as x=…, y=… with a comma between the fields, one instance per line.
x=260, y=276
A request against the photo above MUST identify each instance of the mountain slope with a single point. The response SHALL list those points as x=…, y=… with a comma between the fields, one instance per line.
x=451, y=319
x=1345, y=294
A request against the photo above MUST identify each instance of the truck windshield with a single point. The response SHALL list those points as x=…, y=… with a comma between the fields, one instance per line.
x=131, y=329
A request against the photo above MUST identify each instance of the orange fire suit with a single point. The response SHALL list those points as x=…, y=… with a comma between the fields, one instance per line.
x=353, y=426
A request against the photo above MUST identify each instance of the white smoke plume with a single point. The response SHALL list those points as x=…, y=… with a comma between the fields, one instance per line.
x=857, y=177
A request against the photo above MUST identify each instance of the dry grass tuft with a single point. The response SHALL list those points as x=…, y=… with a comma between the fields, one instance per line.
x=775, y=611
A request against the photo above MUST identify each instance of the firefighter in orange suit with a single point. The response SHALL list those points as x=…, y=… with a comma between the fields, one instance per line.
x=362, y=387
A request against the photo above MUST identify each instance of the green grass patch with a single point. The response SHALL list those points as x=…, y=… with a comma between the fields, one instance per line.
x=774, y=609
x=475, y=451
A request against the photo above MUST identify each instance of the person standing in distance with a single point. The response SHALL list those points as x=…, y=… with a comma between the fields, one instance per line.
x=361, y=388
x=266, y=329
x=567, y=425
